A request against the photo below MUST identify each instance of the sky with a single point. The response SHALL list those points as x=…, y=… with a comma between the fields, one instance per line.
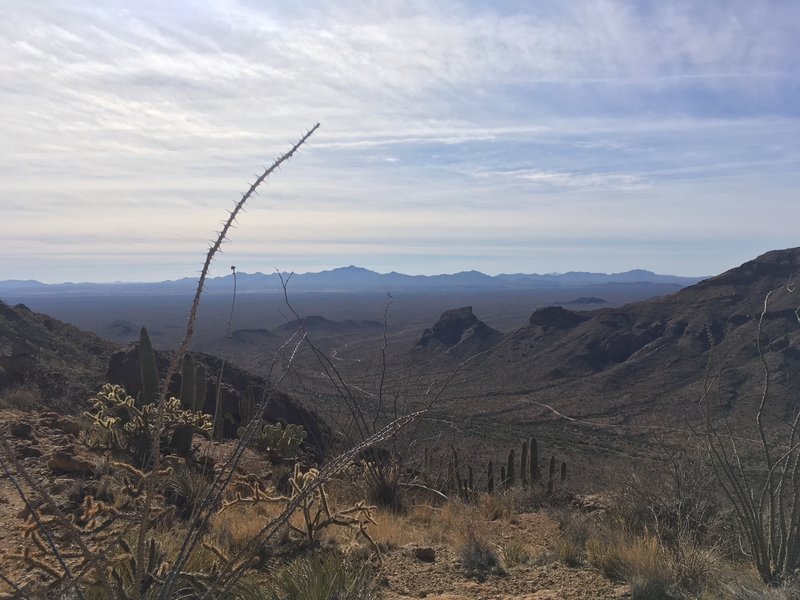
x=510, y=136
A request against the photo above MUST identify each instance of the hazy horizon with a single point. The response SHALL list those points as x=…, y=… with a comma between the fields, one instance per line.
x=239, y=272
x=592, y=135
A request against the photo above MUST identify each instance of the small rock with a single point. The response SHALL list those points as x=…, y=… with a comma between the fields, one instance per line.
x=69, y=425
x=65, y=462
x=29, y=452
x=60, y=484
x=22, y=430
x=425, y=554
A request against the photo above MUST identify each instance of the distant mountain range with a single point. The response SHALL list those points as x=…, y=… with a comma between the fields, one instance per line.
x=346, y=279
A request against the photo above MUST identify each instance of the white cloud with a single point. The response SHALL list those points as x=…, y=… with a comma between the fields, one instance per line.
x=123, y=116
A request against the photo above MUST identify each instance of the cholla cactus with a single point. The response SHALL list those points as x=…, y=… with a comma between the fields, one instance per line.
x=120, y=423
x=279, y=442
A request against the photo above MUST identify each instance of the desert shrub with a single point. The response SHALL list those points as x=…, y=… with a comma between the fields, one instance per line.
x=479, y=558
x=21, y=397
x=516, y=553
x=639, y=560
x=676, y=501
x=185, y=488
x=323, y=577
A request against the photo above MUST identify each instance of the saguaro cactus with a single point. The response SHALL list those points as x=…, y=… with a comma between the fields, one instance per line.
x=523, y=465
x=551, y=473
x=147, y=369
x=510, y=468
x=533, y=447
x=192, y=398
x=490, y=478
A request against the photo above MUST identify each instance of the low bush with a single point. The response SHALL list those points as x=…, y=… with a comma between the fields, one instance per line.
x=479, y=558
x=323, y=576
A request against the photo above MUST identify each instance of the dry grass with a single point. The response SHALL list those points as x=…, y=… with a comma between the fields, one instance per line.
x=517, y=552
x=441, y=525
x=22, y=397
x=478, y=556
x=234, y=528
x=504, y=504
x=391, y=531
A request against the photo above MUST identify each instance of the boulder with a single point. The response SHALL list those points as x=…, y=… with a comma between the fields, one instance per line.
x=64, y=461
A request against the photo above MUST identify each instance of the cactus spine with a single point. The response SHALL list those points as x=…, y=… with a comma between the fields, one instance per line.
x=147, y=369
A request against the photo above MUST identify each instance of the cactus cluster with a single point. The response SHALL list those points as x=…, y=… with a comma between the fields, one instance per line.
x=119, y=423
x=525, y=475
x=278, y=442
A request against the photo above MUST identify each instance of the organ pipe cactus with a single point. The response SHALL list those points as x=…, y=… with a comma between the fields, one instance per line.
x=147, y=369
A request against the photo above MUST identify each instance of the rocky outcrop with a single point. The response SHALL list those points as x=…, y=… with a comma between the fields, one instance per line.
x=450, y=327
x=555, y=318
x=459, y=329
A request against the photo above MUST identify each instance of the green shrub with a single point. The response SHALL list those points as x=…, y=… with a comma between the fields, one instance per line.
x=325, y=576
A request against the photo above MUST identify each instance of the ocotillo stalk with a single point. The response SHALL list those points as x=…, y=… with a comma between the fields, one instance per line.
x=523, y=465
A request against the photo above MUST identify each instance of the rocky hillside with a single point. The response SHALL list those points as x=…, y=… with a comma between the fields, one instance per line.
x=645, y=362
x=63, y=360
